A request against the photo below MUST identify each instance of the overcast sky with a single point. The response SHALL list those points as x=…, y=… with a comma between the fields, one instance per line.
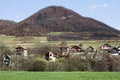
x=107, y=11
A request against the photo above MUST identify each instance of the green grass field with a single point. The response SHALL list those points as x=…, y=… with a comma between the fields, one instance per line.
x=59, y=75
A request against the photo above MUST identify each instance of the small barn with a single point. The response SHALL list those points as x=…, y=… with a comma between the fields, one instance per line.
x=6, y=60
x=21, y=51
x=50, y=56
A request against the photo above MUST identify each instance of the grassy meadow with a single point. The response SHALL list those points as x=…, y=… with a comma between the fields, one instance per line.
x=59, y=75
x=31, y=41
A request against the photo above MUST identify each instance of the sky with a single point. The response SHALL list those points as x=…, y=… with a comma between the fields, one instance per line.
x=107, y=11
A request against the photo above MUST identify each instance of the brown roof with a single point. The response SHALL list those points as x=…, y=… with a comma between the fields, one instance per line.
x=24, y=47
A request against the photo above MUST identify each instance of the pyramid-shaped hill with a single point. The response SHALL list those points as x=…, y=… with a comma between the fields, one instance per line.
x=70, y=24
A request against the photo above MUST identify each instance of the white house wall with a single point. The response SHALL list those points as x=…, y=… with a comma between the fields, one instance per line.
x=25, y=53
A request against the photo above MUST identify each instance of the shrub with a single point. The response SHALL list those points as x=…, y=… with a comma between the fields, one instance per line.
x=114, y=64
x=34, y=65
x=55, y=66
x=106, y=64
x=76, y=64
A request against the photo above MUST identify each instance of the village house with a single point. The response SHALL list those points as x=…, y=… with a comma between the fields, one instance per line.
x=21, y=51
x=50, y=56
x=76, y=50
x=114, y=51
x=64, y=51
x=90, y=49
x=105, y=48
x=90, y=52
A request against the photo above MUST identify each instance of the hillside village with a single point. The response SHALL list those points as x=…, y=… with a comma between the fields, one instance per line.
x=63, y=53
